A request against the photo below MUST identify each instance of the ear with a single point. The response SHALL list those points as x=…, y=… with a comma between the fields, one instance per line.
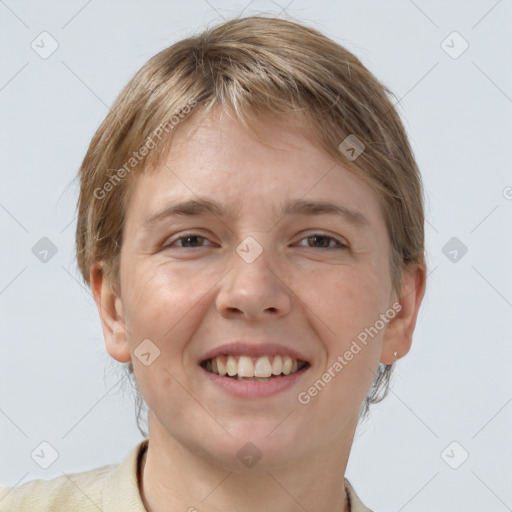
x=398, y=336
x=110, y=308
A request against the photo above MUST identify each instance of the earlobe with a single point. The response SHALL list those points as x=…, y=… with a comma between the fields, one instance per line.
x=398, y=336
x=118, y=346
x=110, y=309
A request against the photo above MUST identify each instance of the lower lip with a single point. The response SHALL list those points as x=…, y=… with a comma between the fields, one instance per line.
x=255, y=389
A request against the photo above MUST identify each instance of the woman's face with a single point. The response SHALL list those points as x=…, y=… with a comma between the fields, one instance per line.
x=247, y=272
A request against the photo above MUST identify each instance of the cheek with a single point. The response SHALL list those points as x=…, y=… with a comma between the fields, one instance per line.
x=165, y=305
x=347, y=301
x=154, y=293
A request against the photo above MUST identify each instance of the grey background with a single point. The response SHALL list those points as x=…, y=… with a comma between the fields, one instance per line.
x=58, y=384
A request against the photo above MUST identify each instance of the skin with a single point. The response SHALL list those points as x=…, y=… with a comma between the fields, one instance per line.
x=188, y=299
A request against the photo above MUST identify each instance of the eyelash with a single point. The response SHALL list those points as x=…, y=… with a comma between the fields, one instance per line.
x=340, y=245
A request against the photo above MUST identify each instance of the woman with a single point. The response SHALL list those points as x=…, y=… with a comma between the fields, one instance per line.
x=250, y=222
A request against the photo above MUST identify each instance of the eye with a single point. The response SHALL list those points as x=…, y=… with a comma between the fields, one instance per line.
x=319, y=241
x=190, y=241
x=325, y=241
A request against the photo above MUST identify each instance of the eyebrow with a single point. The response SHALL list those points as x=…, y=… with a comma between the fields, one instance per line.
x=195, y=207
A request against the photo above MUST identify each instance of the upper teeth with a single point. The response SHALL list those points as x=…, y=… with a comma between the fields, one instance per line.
x=246, y=366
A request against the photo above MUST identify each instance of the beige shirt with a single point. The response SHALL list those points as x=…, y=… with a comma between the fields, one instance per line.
x=113, y=488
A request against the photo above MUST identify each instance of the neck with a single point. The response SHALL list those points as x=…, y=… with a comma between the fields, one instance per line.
x=175, y=478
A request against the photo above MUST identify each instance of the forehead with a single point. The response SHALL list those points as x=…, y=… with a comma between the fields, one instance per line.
x=214, y=157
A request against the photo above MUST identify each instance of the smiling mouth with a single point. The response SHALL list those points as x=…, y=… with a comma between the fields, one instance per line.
x=249, y=368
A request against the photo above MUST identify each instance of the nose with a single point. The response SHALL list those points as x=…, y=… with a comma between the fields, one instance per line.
x=253, y=290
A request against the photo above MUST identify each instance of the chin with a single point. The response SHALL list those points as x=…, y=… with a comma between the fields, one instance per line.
x=253, y=449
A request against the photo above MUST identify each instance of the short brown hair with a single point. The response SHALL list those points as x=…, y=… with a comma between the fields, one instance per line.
x=253, y=67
